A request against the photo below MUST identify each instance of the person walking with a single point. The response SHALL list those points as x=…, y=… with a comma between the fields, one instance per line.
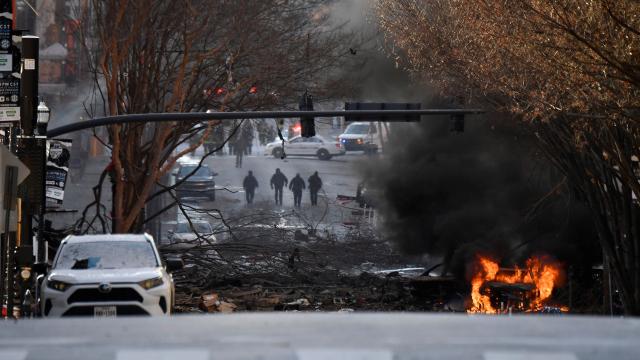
x=297, y=185
x=315, y=184
x=247, y=135
x=239, y=148
x=278, y=181
x=250, y=184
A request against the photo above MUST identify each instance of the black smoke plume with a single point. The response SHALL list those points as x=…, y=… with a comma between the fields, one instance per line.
x=486, y=190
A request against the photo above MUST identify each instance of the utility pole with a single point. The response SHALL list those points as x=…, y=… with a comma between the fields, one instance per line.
x=33, y=145
x=32, y=152
x=9, y=115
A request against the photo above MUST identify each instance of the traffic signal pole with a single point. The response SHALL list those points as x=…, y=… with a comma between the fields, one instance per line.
x=29, y=84
x=31, y=147
x=34, y=149
x=388, y=115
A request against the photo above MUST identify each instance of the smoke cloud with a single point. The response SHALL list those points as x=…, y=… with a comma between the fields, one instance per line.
x=486, y=190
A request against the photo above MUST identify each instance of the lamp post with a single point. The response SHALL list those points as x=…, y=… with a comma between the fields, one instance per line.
x=43, y=118
x=43, y=114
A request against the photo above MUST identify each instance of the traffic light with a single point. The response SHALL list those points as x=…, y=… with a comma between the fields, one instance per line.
x=219, y=91
x=381, y=106
x=307, y=123
x=253, y=90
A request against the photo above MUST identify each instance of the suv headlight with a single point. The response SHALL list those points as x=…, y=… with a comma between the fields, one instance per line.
x=58, y=285
x=151, y=283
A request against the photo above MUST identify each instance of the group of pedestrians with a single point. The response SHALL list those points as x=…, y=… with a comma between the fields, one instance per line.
x=279, y=181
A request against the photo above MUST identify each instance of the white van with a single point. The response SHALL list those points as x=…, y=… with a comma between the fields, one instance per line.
x=363, y=136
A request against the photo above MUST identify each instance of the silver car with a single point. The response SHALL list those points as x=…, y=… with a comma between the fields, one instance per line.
x=108, y=276
x=187, y=236
x=300, y=146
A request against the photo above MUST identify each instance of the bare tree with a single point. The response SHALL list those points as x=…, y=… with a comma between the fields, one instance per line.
x=569, y=69
x=194, y=55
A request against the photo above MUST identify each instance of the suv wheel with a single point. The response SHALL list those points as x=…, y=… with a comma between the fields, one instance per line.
x=277, y=153
x=212, y=195
x=323, y=154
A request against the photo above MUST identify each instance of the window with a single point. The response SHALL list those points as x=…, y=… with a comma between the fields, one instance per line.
x=107, y=255
x=186, y=170
x=357, y=129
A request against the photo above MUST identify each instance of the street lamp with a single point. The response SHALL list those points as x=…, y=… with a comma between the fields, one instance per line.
x=43, y=118
x=43, y=115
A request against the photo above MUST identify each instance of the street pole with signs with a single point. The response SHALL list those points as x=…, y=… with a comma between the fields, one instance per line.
x=9, y=67
x=9, y=117
x=32, y=145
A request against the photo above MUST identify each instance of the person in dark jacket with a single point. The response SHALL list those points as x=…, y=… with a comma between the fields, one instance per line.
x=239, y=148
x=278, y=181
x=250, y=184
x=297, y=185
x=315, y=184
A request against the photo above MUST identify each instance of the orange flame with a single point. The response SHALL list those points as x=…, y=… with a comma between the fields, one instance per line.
x=542, y=274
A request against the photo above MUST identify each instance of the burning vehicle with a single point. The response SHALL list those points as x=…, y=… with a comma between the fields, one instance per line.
x=496, y=290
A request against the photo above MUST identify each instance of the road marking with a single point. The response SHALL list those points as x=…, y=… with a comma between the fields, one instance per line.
x=163, y=354
x=344, y=354
x=528, y=355
x=13, y=354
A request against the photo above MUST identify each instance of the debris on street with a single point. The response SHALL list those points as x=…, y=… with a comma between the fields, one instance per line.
x=318, y=273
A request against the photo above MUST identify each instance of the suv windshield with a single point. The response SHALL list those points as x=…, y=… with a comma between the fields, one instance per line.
x=186, y=170
x=357, y=129
x=107, y=255
x=200, y=227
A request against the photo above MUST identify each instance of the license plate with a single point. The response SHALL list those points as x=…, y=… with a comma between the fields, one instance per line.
x=104, y=311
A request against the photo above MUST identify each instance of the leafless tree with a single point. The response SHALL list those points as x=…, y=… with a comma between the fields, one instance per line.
x=193, y=55
x=569, y=69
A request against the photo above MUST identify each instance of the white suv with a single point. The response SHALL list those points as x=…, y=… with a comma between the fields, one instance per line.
x=108, y=276
x=362, y=136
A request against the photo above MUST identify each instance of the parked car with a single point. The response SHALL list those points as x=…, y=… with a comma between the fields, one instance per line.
x=108, y=276
x=185, y=236
x=200, y=184
x=361, y=136
x=300, y=146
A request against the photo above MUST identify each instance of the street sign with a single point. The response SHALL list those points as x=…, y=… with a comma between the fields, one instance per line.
x=9, y=85
x=7, y=159
x=59, y=152
x=9, y=99
x=6, y=62
x=6, y=31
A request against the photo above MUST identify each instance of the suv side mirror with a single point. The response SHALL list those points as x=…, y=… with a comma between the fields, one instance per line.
x=174, y=263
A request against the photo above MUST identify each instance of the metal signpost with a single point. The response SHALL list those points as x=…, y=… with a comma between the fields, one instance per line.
x=9, y=67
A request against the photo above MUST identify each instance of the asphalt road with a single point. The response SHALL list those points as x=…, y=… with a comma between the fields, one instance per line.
x=339, y=175
x=306, y=336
